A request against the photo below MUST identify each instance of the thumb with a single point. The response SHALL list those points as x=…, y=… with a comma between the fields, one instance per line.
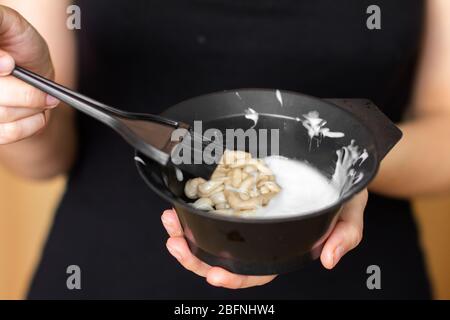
x=23, y=43
x=347, y=233
x=344, y=238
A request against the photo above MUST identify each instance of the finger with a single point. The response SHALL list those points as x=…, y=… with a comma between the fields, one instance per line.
x=16, y=93
x=15, y=131
x=22, y=41
x=170, y=221
x=11, y=24
x=344, y=237
x=11, y=114
x=220, y=277
x=347, y=233
x=178, y=248
x=6, y=63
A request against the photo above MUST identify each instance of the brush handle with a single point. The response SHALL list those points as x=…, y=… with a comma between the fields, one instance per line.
x=95, y=109
x=84, y=104
x=122, y=122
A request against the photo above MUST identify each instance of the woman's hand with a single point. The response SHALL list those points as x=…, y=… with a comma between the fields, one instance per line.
x=24, y=110
x=345, y=236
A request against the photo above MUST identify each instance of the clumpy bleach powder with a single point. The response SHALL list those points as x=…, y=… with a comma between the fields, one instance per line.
x=303, y=189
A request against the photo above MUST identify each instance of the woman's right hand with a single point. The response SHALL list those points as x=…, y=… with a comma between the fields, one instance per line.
x=24, y=110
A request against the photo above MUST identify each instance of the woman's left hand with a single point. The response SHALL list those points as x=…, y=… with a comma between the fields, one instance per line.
x=345, y=236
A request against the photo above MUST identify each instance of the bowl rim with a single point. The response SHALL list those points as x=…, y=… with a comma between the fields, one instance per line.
x=264, y=220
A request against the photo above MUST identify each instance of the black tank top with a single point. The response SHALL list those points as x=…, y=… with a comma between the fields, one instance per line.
x=148, y=55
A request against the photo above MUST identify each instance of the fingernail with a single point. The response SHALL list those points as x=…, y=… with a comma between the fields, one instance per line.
x=174, y=252
x=168, y=224
x=338, y=253
x=51, y=101
x=6, y=64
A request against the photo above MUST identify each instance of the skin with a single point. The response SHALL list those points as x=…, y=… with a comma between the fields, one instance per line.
x=425, y=147
x=346, y=235
x=38, y=136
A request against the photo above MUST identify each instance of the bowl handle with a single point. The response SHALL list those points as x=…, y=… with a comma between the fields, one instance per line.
x=386, y=133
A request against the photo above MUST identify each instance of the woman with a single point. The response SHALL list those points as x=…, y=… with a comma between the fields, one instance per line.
x=148, y=56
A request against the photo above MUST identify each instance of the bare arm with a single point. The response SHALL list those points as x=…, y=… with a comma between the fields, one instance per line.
x=420, y=163
x=52, y=150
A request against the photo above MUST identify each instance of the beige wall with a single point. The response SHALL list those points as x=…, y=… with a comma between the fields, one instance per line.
x=26, y=212
x=25, y=215
x=433, y=215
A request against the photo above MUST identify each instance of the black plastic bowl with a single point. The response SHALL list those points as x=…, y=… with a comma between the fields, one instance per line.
x=260, y=246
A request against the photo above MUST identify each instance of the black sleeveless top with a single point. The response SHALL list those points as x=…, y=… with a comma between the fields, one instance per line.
x=148, y=55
